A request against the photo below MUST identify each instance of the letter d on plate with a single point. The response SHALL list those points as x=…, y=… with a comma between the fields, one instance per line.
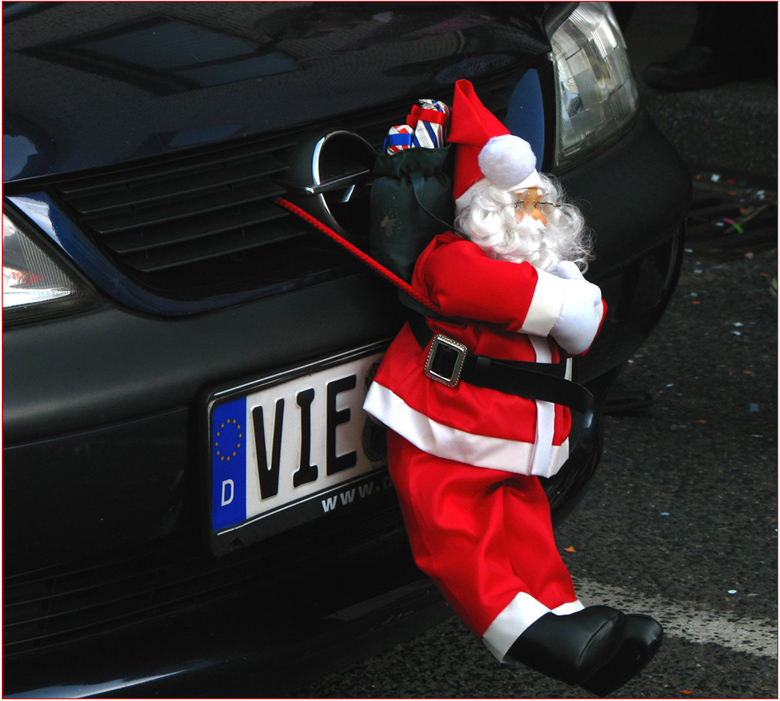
x=228, y=464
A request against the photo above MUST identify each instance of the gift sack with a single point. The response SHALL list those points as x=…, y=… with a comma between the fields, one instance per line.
x=411, y=203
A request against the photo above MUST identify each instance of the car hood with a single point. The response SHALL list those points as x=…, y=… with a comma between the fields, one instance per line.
x=89, y=85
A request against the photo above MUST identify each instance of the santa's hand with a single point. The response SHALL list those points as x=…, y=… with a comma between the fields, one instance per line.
x=568, y=271
x=580, y=316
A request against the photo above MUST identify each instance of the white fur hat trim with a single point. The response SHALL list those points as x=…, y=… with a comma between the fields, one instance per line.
x=532, y=180
x=508, y=162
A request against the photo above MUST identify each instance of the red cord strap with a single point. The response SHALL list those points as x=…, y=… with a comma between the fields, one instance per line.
x=363, y=257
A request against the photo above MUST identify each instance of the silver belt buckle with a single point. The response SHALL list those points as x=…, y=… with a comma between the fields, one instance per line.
x=445, y=360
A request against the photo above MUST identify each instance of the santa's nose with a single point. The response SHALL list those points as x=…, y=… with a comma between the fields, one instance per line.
x=526, y=204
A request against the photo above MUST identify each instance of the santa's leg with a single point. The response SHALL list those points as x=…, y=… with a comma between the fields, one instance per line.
x=514, y=592
x=642, y=635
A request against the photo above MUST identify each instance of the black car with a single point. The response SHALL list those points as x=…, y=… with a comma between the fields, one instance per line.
x=194, y=502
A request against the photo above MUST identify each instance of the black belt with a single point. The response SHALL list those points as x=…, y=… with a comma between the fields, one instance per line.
x=450, y=363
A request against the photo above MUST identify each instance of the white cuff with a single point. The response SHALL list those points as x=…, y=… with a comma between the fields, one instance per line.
x=546, y=305
x=513, y=621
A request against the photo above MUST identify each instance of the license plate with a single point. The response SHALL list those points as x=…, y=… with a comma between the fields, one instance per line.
x=290, y=448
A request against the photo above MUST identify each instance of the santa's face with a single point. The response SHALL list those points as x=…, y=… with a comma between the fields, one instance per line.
x=530, y=224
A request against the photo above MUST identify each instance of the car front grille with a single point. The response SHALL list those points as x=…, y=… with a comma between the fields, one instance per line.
x=70, y=603
x=175, y=214
x=203, y=224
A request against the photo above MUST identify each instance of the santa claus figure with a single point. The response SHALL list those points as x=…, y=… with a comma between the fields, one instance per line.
x=466, y=444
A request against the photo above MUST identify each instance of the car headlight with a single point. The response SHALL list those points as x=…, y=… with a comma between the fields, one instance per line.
x=33, y=283
x=597, y=95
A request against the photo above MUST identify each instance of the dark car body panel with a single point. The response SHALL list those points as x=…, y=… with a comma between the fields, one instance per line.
x=109, y=586
x=138, y=61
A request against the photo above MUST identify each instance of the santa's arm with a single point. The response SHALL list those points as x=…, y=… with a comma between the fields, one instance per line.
x=465, y=283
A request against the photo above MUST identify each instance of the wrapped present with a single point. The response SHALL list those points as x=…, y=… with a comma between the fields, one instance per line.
x=426, y=127
x=437, y=106
x=398, y=138
x=430, y=120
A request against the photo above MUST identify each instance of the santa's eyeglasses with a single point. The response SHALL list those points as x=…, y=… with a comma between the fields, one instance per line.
x=521, y=203
x=531, y=197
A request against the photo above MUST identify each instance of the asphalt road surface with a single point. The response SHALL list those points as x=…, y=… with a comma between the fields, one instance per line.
x=680, y=520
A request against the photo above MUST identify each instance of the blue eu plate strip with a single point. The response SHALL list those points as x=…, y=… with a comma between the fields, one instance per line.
x=228, y=464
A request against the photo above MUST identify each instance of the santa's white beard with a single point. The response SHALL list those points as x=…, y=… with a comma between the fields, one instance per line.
x=490, y=221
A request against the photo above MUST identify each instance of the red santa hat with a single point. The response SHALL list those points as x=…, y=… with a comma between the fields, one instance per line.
x=486, y=149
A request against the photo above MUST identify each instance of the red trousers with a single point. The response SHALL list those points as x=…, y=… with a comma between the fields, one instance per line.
x=485, y=538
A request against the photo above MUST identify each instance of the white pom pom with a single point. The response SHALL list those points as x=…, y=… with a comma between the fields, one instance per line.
x=507, y=161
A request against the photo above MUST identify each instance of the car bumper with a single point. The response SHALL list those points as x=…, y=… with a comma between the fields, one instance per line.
x=113, y=399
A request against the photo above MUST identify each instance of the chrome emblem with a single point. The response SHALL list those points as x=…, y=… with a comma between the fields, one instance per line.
x=342, y=173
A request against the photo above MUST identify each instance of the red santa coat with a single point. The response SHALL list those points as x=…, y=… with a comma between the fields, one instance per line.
x=504, y=310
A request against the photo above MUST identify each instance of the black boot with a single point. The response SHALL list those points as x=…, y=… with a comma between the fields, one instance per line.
x=571, y=648
x=641, y=640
